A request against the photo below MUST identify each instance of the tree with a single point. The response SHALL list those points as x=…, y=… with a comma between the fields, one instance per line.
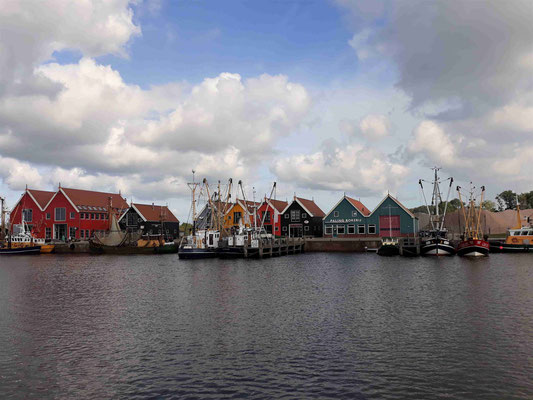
x=489, y=205
x=506, y=200
x=186, y=228
x=526, y=200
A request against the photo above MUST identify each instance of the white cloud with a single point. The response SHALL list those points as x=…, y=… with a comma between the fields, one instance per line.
x=375, y=126
x=430, y=140
x=350, y=168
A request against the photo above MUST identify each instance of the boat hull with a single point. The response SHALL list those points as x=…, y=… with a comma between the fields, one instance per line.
x=388, y=250
x=436, y=247
x=503, y=247
x=473, y=248
x=30, y=250
x=195, y=254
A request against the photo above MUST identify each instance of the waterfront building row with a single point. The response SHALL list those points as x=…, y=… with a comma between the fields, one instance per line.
x=69, y=214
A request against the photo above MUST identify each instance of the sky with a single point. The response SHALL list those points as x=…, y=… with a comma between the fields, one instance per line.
x=324, y=97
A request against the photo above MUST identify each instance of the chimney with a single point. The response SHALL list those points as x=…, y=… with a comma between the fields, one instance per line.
x=152, y=206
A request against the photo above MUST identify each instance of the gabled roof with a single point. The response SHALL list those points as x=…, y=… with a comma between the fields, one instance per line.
x=355, y=203
x=152, y=212
x=248, y=205
x=94, y=199
x=360, y=206
x=40, y=197
x=397, y=202
x=279, y=205
x=309, y=206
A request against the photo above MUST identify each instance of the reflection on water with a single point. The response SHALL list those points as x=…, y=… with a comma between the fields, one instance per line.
x=312, y=325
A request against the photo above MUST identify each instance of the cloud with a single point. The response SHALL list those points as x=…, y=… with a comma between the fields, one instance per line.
x=430, y=140
x=31, y=31
x=354, y=168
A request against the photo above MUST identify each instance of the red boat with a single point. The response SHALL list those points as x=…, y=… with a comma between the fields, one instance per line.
x=473, y=247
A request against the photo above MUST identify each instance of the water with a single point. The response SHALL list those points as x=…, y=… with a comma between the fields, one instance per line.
x=304, y=326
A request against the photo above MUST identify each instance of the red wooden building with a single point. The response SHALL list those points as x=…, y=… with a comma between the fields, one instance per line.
x=269, y=213
x=69, y=213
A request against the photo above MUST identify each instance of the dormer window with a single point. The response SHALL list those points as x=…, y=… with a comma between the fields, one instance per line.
x=335, y=213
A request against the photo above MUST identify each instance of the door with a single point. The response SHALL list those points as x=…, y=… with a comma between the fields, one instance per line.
x=60, y=231
x=389, y=226
x=334, y=230
x=295, y=230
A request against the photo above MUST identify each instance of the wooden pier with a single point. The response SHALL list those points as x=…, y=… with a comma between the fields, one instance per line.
x=264, y=247
x=409, y=246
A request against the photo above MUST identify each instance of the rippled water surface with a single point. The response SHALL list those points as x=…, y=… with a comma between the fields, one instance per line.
x=304, y=326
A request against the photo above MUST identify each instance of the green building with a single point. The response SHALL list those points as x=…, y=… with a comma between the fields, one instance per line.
x=349, y=218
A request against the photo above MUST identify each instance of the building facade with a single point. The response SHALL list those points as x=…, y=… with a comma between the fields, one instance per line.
x=242, y=212
x=347, y=219
x=31, y=206
x=351, y=219
x=152, y=220
x=269, y=214
x=392, y=218
x=302, y=217
x=72, y=214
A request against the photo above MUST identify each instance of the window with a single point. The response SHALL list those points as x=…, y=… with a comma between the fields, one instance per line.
x=92, y=215
x=48, y=216
x=266, y=215
x=329, y=229
x=351, y=229
x=87, y=233
x=60, y=214
x=82, y=215
x=304, y=215
x=48, y=233
x=371, y=229
x=237, y=217
x=106, y=216
x=340, y=229
x=306, y=228
x=361, y=229
x=287, y=216
x=82, y=233
x=72, y=215
x=354, y=213
x=335, y=213
x=277, y=228
x=284, y=229
x=27, y=214
x=97, y=216
x=72, y=232
x=295, y=215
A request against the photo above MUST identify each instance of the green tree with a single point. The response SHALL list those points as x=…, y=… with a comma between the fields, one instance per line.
x=489, y=205
x=526, y=200
x=186, y=228
x=506, y=200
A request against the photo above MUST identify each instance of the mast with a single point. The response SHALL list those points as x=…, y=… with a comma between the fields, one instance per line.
x=2, y=220
x=193, y=186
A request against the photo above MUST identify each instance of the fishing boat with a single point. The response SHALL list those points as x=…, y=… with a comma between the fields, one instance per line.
x=519, y=238
x=435, y=242
x=472, y=243
x=201, y=243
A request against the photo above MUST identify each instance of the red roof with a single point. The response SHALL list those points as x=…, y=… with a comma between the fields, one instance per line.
x=279, y=205
x=250, y=205
x=152, y=212
x=311, y=206
x=94, y=199
x=42, y=197
x=360, y=206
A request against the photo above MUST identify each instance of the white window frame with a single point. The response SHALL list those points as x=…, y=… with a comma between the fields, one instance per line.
x=55, y=213
x=335, y=213
x=354, y=213
x=306, y=228
x=286, y=215
x=25, y=213
x=72, y=215
x=359, y=229
x=341, y=229
x=372, y=227
x=284, y=229
x=304, y=215
x=351, y=229
x=329, y=230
